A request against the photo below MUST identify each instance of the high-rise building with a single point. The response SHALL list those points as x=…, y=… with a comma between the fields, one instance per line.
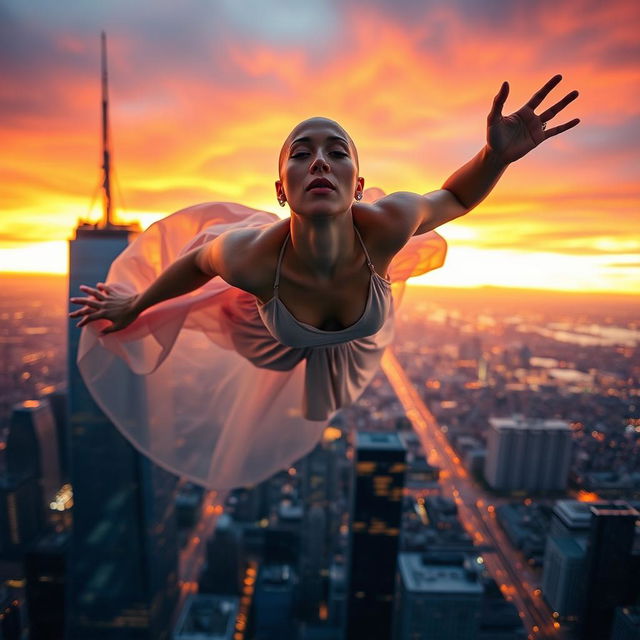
x=45, y=567
x=273, y=603
x=21, y=519
x=319, y=494
x=33, y=446
x=207, y=617
x=527, y=454
x=12, y=619
x=312, y=562
x=58, y=399
x=563, y=574
x=123, y=565
x=564, y=567
x=225, y=566
x=626, y=624
x=609, y=561
x=22, y=504
x=376, y=510
x=572, y=519
x=337, y=605
x=436, y=600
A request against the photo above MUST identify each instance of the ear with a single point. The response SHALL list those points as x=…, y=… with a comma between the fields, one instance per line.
x=279, y=190
x=360, y=185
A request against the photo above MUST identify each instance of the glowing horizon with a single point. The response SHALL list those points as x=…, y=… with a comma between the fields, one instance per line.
x=200, y=106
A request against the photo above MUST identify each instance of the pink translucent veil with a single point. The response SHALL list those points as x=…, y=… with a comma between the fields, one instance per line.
x=176, y=383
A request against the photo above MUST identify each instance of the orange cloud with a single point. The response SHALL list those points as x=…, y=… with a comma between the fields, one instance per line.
x=201, y=105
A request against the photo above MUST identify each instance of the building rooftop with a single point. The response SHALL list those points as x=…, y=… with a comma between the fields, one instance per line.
x=569, y=547
x=276, y=575
x=437, y=579
x=207, y=617
x=523, y=422
x=617, y=508
x=573, y=513
x=371, y=440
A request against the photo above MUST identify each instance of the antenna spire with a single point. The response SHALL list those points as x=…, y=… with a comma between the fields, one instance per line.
x=106, y=160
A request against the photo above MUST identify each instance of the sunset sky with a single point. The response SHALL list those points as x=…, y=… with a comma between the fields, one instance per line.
x=203, y=94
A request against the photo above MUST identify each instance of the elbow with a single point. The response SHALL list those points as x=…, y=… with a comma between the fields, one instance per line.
x=459, y=207
x=202, y=260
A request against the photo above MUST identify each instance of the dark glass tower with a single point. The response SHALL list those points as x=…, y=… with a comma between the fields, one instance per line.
x=33, y=446
x=376, y=511
x=45, y=569
x=123, y=564
x=22, y=505
x=609, y=562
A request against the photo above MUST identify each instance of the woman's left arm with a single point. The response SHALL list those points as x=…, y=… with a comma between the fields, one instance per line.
x=508, y=139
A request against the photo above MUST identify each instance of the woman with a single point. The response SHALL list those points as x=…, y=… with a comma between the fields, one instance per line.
x=288, y=319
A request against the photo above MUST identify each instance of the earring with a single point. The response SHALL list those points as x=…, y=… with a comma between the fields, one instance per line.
x=359, y=195
x=282, y=202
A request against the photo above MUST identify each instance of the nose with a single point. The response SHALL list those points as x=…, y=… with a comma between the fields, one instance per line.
x=319, y=163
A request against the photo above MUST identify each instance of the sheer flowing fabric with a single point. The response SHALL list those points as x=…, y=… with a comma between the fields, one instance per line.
x=198, y=384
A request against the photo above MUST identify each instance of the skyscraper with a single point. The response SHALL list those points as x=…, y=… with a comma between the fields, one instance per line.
x=33, y=444
x=571, y=519
x=626, y=624
x=527, y=454
x=319, y=491
x=273, y=603
x=207, y=617
x=437, y=599
x=11, y=616
x=225, y=565
x=45, y=570
x=23, y=506
x=312, y=559
x=58, y=399
x=376, y=508
x=123, y=565
x=563, y=575
x=564, y=567
x=608, y=583
x=123, y=581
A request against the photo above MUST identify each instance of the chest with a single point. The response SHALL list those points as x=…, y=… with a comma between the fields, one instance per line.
x=330, y=306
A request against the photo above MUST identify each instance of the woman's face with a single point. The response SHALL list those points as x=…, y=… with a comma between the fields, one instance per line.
x=318, y=169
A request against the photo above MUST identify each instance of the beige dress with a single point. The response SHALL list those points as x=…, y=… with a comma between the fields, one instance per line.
x=217, y=387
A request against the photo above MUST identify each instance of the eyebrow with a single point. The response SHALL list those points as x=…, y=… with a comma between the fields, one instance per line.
x=308, y=139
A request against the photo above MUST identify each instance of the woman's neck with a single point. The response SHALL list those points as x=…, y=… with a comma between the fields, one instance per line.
x=323, y=244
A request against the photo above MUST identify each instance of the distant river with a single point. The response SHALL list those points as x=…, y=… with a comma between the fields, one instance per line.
x=592, y=335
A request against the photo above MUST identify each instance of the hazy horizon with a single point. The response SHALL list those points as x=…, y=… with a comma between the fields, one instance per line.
x=473, y=294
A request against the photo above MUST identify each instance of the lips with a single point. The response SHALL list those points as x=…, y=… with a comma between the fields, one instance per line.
x=320, y=183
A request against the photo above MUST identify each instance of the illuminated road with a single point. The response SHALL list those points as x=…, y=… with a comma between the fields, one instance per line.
x=193, y=556
x=476, y=510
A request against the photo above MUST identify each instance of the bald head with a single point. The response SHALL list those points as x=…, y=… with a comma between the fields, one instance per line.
x=316, y=120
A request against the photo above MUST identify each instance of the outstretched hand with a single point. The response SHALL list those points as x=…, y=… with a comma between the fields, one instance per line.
x=105, y=302
x=513, y=136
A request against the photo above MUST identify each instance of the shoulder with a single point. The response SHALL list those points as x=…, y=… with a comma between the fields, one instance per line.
x=246, y=258
x=389, y=222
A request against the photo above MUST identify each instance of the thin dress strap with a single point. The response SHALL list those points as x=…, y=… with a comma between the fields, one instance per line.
x=366, y=253
x=276, y=282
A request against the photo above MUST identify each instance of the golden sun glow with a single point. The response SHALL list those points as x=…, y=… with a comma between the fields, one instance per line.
x=204, y=121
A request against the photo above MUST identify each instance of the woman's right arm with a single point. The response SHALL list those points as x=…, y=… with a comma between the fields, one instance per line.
x=189, y=272
x=185, y=274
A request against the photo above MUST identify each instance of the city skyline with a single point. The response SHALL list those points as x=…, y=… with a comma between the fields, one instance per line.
x=184, y=86
x=468, y=357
